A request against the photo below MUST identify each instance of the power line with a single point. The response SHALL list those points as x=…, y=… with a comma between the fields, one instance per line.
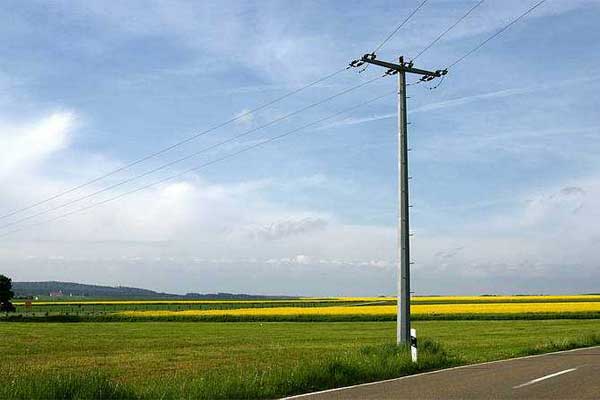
x=201, y=166
x=447, y=30
x=399, y=26
x=171, y=147
x=497, y=33
x=171, y=163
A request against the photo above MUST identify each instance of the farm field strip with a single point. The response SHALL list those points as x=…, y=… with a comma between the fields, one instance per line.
x=364, y=308
x=102, y=308
x=493, y=308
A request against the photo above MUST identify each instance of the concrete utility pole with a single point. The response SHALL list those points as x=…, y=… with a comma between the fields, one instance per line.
x=403, y=318
x=402, y=68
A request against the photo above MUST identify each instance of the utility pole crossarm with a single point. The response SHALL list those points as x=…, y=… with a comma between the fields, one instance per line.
x=406, y=67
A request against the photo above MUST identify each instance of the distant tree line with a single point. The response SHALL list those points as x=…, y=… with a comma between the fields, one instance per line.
x=6, y=294
x=26, y=290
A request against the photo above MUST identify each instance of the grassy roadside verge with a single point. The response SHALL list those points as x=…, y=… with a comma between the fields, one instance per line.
x=370, y=363
x=367, y=364
x=188, y=360
x=563, y=344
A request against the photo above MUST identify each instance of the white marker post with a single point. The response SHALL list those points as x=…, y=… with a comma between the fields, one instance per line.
x=413, y=345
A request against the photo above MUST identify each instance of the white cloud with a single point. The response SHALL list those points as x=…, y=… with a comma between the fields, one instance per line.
x=23, y=146
x=502, y=94
x=461, y=101
x=244, y=117
x=267, y=40
x=555, y=207
x=545, y=244
x=287, y=228
x=359, y=120
x=194, y=235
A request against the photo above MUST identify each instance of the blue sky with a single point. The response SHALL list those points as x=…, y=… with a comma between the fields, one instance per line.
x=505, y=170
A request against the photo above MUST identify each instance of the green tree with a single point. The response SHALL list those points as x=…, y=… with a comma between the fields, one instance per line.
x=6, y=294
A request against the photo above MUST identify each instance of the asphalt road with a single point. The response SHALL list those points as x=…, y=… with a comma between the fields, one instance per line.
x=571, y=374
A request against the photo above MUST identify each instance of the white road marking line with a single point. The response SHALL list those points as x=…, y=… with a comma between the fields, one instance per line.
x=543, y=378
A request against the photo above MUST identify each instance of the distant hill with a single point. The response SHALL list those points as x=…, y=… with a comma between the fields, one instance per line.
x=67, y=289
x=23, y=289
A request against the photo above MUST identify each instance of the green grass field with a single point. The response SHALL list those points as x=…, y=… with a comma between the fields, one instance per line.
x=173, y=357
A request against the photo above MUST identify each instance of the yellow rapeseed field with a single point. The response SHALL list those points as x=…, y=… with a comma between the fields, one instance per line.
x=444, y=309
x=483, y=299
